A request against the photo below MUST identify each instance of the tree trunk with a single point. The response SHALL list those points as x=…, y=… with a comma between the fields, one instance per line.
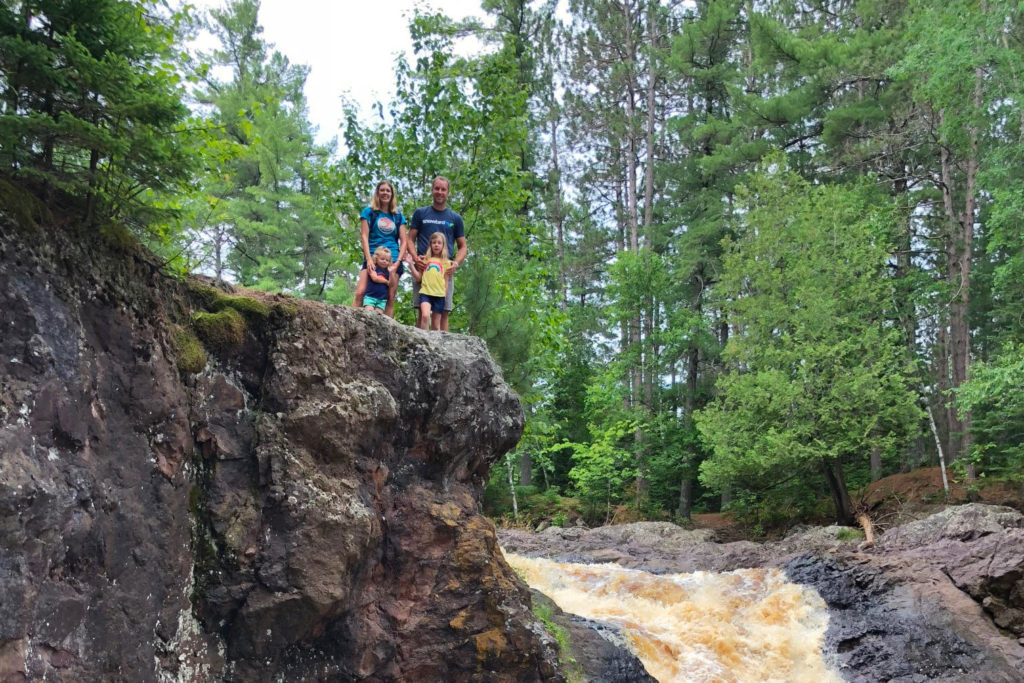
x=876, y=463
x=840, y=495
x=685, y=498
x=525, y=469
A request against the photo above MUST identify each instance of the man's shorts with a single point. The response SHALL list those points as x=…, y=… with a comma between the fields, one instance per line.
x=376, y=303
x=447, y=299
x=436, y=302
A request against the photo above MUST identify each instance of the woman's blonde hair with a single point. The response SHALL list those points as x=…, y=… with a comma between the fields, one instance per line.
x=375, y=199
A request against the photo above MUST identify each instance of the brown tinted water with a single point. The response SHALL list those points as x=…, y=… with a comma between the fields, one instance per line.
x=750, y=625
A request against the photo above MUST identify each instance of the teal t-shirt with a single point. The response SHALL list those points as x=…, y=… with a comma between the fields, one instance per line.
x=384, y=230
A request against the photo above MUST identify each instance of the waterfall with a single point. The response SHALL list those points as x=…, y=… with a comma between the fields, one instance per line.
x=750, y=625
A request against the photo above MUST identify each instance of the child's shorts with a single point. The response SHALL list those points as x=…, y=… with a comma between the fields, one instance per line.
x=376, y=303
x=436, y=302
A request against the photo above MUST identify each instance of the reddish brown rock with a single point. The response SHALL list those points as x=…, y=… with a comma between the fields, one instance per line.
x=305, y=508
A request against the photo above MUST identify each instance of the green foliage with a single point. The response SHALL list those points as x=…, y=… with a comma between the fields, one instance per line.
x=994, y=397
x=89, y=100
x=818, y=374
x=602, y=467
x=259, y=212
x=561, y=634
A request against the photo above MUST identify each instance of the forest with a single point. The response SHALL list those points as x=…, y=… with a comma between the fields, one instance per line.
x=732, y=254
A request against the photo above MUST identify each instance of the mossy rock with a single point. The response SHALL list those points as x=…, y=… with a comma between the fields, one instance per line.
x=119, y=237
x=285, y=309
x=255, y=311
x=213, y=300
x=204, y=296
x=220, y=331
x=189, y=351
x=27, y=210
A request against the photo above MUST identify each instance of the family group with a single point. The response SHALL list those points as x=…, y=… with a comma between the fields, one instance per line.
x=433, y=245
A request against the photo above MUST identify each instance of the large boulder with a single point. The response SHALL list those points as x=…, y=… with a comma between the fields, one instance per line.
x=298, y=500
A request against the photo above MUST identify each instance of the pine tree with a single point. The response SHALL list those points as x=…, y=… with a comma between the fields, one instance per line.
x=89, y=101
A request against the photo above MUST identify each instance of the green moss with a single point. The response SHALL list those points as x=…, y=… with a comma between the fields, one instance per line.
x=847, y=533
x=286, y=309
x=253, y=310
x=203, y=296
x=27, y=210
x=221, y=331
x=543, y=611
x=118, y=236
x=204, y=549
x=214, y=301
x=189, y=351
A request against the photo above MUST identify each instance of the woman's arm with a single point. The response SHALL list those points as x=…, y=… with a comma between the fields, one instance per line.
x=403, y=247
x=364, y=239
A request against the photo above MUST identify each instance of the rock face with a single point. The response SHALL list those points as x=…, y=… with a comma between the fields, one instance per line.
x=940, y=599
x=302, y=508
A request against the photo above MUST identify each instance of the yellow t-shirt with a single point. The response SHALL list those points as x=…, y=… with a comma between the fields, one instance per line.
x=434, y=282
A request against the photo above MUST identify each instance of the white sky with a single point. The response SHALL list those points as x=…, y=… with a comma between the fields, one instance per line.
x=349, y=45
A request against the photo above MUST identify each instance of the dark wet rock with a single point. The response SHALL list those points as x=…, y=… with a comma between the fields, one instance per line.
x=898, y=620
x=597, y=652
x=303, y=508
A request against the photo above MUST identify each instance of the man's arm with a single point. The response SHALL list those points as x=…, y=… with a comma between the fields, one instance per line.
x=460, y=255
x=414, y=230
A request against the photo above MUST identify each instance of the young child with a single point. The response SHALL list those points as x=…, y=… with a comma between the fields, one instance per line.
x=433, y=279
x=376, y=296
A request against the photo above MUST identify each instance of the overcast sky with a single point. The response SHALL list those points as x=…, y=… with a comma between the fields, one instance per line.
x=349, y=45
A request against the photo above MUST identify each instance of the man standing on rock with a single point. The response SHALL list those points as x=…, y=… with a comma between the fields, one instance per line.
x=425, y=222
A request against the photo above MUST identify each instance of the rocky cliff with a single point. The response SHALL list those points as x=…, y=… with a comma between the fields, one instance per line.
x=197, y=485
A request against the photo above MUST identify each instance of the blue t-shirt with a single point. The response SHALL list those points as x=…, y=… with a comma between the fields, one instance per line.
x=377, y=290
x=384, y=230
x=427, y=220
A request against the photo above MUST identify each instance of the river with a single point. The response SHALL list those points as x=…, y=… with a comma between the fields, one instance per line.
x=750, y=625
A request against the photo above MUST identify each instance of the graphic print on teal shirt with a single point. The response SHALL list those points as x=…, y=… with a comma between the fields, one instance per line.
x=384, y=230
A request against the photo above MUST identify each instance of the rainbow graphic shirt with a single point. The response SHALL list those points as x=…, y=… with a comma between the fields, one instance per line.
x=434, y=283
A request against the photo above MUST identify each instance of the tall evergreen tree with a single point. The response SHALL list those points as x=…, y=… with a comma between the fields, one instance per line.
x=88, y=99
x=817, y=373
x=259, y=206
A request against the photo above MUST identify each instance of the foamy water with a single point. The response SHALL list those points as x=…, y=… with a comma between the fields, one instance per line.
x=750, y=625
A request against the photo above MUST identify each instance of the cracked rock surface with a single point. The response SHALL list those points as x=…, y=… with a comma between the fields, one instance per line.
x=304, y=507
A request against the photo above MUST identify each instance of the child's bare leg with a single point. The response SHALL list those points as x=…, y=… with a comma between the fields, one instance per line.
x=424, y=317
x=435, y=321
x=389, y=310
x=360, y=288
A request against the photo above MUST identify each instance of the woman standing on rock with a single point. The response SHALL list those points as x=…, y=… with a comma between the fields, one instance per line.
x=381, y=224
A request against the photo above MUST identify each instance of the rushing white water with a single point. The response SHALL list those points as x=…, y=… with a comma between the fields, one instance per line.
x=749, y=625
